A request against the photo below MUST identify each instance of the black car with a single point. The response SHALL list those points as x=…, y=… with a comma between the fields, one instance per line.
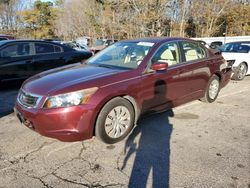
x=20, y=59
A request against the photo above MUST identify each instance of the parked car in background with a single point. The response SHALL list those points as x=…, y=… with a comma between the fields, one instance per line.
x=20, y=59
x=85, y=40
x=100, y=44
x=215, y=45
x=202, y=42
x=106, y=95
x=6, y=37
x=238, y=54
x=76, y=46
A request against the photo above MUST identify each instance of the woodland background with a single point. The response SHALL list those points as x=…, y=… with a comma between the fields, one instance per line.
x=123, y=19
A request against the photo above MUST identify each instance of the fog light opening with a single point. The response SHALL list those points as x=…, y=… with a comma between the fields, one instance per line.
x=29, y=124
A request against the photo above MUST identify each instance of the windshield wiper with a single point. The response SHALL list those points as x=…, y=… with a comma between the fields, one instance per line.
x=110, y=66
x=105, y=65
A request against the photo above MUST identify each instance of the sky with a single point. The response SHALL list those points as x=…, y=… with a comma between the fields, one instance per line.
x=29, y=3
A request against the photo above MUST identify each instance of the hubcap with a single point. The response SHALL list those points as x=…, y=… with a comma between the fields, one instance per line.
x=213, y=89
x=242, y=71
x=117, y=122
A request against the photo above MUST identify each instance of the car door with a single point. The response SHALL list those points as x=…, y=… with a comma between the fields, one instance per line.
x=165, y=89
x=197, y=63
x=15, y=61
x=47, y=56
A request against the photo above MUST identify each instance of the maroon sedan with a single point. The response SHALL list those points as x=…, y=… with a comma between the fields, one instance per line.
x=105, y=96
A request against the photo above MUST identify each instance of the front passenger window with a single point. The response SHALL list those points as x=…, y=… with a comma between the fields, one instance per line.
x=168, y=53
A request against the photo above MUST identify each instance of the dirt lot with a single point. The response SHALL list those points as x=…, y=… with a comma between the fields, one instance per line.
x=195, y=145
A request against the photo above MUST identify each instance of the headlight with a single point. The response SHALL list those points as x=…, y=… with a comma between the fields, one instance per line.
x=70, y=99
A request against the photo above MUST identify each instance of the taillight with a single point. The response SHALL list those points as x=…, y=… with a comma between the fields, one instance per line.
x=230, y=63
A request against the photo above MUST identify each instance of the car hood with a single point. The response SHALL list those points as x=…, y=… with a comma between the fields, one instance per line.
x=67, y=78
x=233, y=56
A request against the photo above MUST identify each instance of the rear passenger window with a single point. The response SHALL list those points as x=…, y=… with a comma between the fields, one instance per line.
x=46, y=48
x=193, y=51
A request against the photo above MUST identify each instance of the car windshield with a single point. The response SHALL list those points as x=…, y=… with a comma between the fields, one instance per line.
x=235, y=47
x=126, y=55
x=99, y=42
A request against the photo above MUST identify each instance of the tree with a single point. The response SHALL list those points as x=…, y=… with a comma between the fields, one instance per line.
x=39, y=20
x=237, y=19
x=190, y=28
x=8, y=16
x=122, y=19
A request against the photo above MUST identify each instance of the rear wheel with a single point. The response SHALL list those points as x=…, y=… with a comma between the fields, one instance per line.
x=212, y=90
x=240, y=72
x=115, y=121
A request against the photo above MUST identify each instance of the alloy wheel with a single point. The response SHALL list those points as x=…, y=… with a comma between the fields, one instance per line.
x=242, y=71
x=214, y=89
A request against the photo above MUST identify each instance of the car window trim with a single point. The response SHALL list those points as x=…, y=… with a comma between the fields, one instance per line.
x=149, y=63
x=16, y=43
x=183, y=53
x=48, y=52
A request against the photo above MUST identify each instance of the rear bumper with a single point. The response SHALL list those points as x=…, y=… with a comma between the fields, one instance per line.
x=65, y=124
x=226, y=76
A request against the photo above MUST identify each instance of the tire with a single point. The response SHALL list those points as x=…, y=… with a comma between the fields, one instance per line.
x=240, y=72
x=212, y=91
x=115, y=121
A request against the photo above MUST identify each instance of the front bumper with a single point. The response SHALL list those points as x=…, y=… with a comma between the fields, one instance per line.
x=65, y=124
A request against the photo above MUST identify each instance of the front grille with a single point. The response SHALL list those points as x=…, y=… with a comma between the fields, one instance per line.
x=28, y=100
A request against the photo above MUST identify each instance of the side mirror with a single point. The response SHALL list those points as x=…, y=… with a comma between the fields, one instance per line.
x=159, y=66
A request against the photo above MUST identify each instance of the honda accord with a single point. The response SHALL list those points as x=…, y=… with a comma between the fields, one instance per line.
x=105, y=96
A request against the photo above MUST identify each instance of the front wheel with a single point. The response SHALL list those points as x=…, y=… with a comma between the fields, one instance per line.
x=115, y=121
x=240, y=72
x=212, y=90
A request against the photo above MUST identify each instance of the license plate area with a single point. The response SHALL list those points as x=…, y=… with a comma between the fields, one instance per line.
x=23, y=120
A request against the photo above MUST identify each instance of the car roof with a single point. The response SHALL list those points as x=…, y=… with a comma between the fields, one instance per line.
x=2, y=42
x=28, y=40
x=239, y=42
x=158, y=39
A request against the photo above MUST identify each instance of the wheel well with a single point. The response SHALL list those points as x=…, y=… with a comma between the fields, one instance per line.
x=219, y=76
x=134, y=104
x=128, y=98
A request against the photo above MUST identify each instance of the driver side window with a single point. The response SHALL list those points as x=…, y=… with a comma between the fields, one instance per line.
x=168, y=53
